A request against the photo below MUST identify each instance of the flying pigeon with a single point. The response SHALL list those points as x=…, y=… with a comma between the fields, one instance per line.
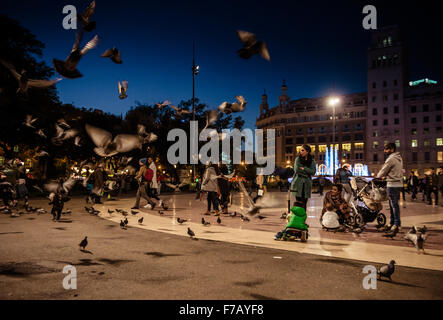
x=387, y=270
x=122, y=89
x=108, y=147
x=191, y=233
x=24, y=83
x=228, y=108
x=177, y=187
x=178, y=111
x=251, y=46
x=114, y=54
x=84, y=243
x=77, y=141
x=62, y=123
x=41, y=133
x=68, y=68
x=163, y=104
x=62, y=135
x=54, y=187
x=211, y=117
x=140, y=220
x=416, y=238
x=42, y=153
x=29, y=121
x=85, y=16
x=147, y=137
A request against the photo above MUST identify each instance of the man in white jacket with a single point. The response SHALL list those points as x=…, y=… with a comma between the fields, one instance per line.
x=392, y=170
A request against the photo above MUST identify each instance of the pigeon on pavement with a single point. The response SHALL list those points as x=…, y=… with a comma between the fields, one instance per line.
x=180, y=221
x=191, y=233
x=386, y=271
x=84, y=243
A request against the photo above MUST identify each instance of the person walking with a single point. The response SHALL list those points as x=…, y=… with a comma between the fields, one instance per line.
x=342, y=177
x=440, y=180
x=153, y=184
x=304, y=169
x=223, y=186
x=99, y=177
x=209, y=184
x=413, y=184
x=392, y=171
x=142, y=185
x=432, y=187
x=22, y=190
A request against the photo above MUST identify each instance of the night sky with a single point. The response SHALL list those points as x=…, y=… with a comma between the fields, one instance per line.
x=318, y=48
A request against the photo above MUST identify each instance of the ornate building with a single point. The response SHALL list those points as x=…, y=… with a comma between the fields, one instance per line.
x=393, y=109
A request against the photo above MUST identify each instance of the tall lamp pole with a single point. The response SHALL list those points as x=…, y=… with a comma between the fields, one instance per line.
x=333, y=101
x=194, y=73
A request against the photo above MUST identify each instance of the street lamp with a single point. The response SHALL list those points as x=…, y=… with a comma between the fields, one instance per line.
x=333, y=101
x=195, y=70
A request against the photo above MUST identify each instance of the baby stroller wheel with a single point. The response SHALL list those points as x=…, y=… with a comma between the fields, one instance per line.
x=359, y=221
x=350, y=221
x=381, y=219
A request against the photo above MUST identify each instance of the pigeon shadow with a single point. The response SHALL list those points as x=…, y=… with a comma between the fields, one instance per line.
x=60, y=228
x=113, y=262
x=260, y=297
x=86, y=251
x=161, y=254
x=249, y=284
x=401, y=284
x=11, y=232
x=64, y=221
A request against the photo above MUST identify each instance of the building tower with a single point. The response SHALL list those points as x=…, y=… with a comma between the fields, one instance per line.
x=264, y=103
x=387, y=82
x=283, y=100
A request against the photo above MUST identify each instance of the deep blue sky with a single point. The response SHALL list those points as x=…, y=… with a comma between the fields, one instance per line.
x=318, y=48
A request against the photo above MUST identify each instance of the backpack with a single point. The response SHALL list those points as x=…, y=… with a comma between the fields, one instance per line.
x=149, y=174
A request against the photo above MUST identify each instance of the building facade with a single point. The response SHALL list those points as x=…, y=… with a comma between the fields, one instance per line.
x=394, y=109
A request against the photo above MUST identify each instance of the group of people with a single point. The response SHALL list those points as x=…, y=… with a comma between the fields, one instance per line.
x=13, y=184
x=217, y=187
x=430, y=185
x=147, y=185
x=337, y=199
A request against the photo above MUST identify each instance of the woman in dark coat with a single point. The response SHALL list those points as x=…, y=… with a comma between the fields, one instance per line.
x=304, y=169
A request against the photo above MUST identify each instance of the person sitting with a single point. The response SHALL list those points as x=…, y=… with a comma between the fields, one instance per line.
x=334, y=203
x=295, y=220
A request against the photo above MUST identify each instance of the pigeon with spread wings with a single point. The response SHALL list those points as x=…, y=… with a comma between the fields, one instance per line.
x=122, y=89
x=62, y=135
x=24, y=83
x=113, y=54
x=107, y=147
x=163, y=104
x=68, y=68
x=179, y=111
x=211, y=117
x=86, y=16
x=251, y=46
x=147, y=137
x=228, y=108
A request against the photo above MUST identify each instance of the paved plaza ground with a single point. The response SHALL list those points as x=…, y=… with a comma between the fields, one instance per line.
x=233, y=260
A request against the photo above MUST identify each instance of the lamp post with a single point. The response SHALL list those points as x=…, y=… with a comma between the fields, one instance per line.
x=194, y=73
x=333, y=101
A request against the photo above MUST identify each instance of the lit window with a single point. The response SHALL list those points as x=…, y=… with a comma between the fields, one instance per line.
x=312, y=148
x=439, y=142
x=322, y=148
x=298, y=149
x=346, y=147
x=375, y=144
x=414, y=131
x=440, y=156
x=375, y=133
x=397, y=143
x=414, y=144
x=427, y=143
x=359, y=146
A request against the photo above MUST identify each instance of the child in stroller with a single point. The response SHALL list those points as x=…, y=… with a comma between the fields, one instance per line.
x=296, y=227
x=366, y=203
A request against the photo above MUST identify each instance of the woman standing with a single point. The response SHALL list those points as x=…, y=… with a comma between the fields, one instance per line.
x=304, y=169
x=209, y=184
